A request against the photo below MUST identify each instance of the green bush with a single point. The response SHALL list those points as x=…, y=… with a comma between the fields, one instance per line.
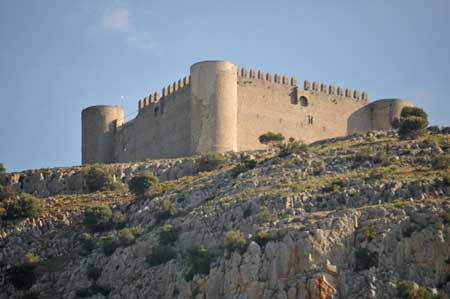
x=412, y=123
x=235, y=241
x=440, y=162
x=369, y=233
x=141, y=184
x=406, y=290
x=99, y=178
x=22, y=206
x=263, y=237
x=161, y=255
x=413, y=111
x=211, y=161
x=199, y=260
x=168, y=234
x=126, y=237
x=365, y=259
x=118, y=219
x=137, y=230
x=292, y=147
x=110, y=243
x=93, y=272
x=98, y=218
x=87, y=242
x=270, y=138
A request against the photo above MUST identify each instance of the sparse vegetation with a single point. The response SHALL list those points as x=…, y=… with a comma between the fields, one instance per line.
x=441, y=161
x=235, y=241
x=110, y=243
x=168, y=234
x=369, y=233
x=211, y=161
x=22, y=205
x=246, y=163
x=161, y=255
x=126, y=237
x=98, y=218
x=365, y=259
x=141, y=184
x=291, y=147
x=166, y=210
x=100, y=178
x=199, y=260
x=87, y=242
x=407, y=290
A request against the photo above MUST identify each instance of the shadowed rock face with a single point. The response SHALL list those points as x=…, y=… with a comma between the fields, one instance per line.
x=349, y=219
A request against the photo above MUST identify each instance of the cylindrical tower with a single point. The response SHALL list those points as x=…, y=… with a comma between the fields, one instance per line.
x=214, y=107
x=98, y=127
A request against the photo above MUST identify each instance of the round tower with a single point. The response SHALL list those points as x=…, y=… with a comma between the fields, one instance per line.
x=214, y=106
x=98, y=127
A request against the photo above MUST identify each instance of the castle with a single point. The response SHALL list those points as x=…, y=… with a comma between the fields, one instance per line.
x=221, y=107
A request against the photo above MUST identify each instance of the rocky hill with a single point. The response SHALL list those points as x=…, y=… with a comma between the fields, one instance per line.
x=366, y=216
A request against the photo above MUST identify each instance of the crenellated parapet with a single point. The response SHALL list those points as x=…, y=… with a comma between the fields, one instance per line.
x=154, y=98
x=331, y=89
x=252, y=73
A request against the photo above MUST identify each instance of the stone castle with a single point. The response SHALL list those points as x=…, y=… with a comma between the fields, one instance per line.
x=221, y=107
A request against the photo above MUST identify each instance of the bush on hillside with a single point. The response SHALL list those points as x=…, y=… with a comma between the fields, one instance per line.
x=166, y=210
x=199, y=260
x=407, y=290
x=22, y=205
x=126, y=237
x=235, y=241
x=211, y=161
x=98, y=218
x=110, y=243
x=141, y=184
x=87, y=242
x=99, y=178
x=412, y=123
x=161, y=255
x=271, y=138
x=23, y=276
x=246, y=163
x=292, y=147
x=168, y=234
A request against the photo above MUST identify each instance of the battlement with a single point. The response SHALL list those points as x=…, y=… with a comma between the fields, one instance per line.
x=222, y=107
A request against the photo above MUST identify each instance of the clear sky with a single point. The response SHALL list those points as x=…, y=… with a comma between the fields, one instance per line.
x=58, y=57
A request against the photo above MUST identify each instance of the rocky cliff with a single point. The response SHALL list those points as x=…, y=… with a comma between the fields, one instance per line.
x=351, y=218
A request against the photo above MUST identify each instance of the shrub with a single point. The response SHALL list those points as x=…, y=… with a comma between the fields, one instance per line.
x=407, y=290
x=167, y=209
x=199, y=260
x=161, y=255
x=137, y=230
x=99, y=178
x=139, y=185
x=369, y=233
x=23, y=206
x=118, y=219
x=365, y=259
x=98, y=218
x=110, y=244
x=87, y=242
x=211, y=161
x=235, y=241
x=5, y=193
x=262, y=238
x=264, y=215
x=412, y=123
x=126, y=237
x=271, y=138
x=440, y=162
x=168, y=234
x=292, y=147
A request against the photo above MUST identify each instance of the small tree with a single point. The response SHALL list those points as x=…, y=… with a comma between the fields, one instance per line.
x=271, y=138
x=23, y=206
x=98, y=218
x=99, y=178
x=412, y=123
x=140, y=184
x=235, y=241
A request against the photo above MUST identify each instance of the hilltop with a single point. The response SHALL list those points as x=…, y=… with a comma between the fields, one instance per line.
x=363, y=216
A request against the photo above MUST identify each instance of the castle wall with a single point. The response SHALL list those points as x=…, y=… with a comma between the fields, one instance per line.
x=160, y=130
x=377, y=115
x=308, y=115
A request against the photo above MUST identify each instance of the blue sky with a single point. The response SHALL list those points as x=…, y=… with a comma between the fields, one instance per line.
x=58, y=57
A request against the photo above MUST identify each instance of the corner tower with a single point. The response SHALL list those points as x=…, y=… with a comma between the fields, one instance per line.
x=99, y=124
x=214, y=106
